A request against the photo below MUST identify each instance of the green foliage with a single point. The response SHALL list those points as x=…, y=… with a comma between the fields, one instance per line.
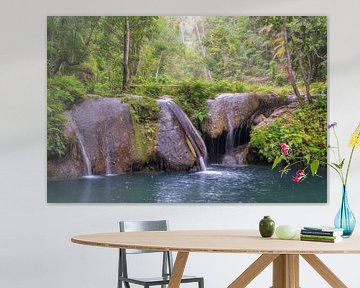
x=304, y=131
x=144, y=109
x=56, y=142
x=149, y=88
x=277, y=161
x=68, y=42
x=144, y=141
x=190, y=58
x=164, y=55
x=145, y=112
x=194, y=92
x=314, y=166
x=67, y=89
x=181, y=48
x=280, y=80
x=191, y=95
x=318, y=88
x=234, y=48
x=307, y=41
x=62, y=92
x=201, y=115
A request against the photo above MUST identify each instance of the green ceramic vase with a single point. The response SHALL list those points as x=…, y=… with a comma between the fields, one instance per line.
x=266, y=227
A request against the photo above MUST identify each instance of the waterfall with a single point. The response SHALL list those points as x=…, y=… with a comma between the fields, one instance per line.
x=229, y=137
x=85, y=157
x=109, y=171
x=193, y=135
x=202, y=163
x=108, y=164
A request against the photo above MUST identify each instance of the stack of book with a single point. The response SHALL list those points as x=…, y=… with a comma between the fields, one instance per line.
x=321, y=234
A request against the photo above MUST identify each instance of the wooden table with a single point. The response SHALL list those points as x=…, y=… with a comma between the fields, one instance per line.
x=284, y=254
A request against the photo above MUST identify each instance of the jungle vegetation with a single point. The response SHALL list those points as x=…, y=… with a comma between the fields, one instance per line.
x=191, y=58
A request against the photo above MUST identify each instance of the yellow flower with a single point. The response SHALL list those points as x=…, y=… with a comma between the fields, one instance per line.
x=355, y=138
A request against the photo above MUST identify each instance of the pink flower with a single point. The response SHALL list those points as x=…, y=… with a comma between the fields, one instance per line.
x=300, y=172
x=284, y=148
x=299, y=175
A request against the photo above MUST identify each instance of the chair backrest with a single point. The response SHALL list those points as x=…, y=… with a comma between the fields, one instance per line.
x=134, y=226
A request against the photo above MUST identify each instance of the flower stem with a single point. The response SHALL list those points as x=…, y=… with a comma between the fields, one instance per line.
x=339, y=156
x=348, y=166
x=350, y=159
x=337, y=171
x=338, y=145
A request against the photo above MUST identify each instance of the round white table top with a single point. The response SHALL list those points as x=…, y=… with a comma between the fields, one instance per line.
x=220, y=241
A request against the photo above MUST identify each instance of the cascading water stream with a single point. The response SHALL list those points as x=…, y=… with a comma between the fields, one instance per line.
x=229, y=137
x=85, y=157
x=202, y=164
x=108, y=170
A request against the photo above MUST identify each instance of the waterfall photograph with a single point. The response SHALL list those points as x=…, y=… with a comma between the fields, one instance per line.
x=187, y=109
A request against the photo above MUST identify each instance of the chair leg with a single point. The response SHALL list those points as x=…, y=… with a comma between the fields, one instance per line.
x=201, y=283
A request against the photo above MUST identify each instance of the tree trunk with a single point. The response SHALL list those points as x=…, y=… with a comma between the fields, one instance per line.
x=306, y=77
x=158, y=67
x=126, y=71
x=291, y=73
x=182, y=29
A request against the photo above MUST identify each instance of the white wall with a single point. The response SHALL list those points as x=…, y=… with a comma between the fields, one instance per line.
x=35, y=248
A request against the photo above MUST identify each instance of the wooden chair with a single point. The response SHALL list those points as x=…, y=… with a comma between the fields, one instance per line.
x=167, y=262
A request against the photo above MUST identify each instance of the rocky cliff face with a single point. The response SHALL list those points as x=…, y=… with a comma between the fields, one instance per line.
x=106, y=127
x=230, y=111
x=179, y=144
x=101, y=136
x=104, y=139
x=228, y=125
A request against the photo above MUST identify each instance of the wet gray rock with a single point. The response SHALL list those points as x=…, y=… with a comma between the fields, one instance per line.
x=279, y=112
x=239, y=156
x=229, y=160
x=104, y=139
x=101, y=130
x=107, y=129
x=230, y=111
x=258, y=119
x=176, y=149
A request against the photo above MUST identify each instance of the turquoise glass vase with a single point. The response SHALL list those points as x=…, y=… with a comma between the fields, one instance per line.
x=345, y=219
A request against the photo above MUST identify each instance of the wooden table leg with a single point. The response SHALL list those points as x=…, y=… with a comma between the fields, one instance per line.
x=286, y=271
x=253, y=270
x=324, y=271
x=178, y=270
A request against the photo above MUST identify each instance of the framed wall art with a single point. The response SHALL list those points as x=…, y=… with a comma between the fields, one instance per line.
x=186, y=109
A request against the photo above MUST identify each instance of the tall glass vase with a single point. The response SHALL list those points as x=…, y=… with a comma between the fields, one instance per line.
x=345, y=219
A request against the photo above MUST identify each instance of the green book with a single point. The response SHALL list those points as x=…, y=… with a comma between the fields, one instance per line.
x=325, y=240
x=319, y=236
